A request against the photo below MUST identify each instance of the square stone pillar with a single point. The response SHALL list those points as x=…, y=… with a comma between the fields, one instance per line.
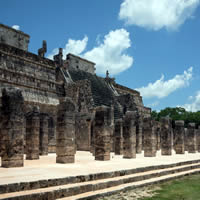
x=198, y=138
x=65, y=138
x=119, y=137
x=139, y=129
x=32, y=134
x=191, y=138
x=166, y=136
x=149, y=138
x=186, y=140
x=102, y=133
x=129, y=135
x=179, y=133
x=44, y=133
x=12, y=130
x=157, y=129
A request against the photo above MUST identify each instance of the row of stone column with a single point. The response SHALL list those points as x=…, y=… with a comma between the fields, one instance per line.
x=18, y=130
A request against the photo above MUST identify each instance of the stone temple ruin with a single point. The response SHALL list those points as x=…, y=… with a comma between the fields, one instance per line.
x=61, y=106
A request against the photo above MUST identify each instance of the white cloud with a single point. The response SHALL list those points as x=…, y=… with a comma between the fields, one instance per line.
x=17, y=27
x=194, y=105
x=73, y=46
x=154, y=104
x=162, y=88
x=110, y=54
x=157, y=14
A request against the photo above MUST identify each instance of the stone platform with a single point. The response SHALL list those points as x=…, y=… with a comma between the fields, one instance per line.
x=85, y=164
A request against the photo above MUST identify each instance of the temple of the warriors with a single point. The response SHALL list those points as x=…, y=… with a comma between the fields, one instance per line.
x=61, y=106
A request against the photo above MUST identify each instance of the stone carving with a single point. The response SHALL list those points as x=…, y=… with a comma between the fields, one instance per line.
x=129, y=134
x=43, y=50
x=179, y=133
x=149, y=138
x=11, y=132
x=32, y=134
x=59, y=58
x=102, y=132
x=191, y=138
x=166, y=136
x=65, y=141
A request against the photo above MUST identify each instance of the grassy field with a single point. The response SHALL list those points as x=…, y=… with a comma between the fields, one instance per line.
x=187, y=188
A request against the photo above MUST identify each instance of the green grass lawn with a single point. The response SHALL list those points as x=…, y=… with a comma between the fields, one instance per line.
x=187, y=188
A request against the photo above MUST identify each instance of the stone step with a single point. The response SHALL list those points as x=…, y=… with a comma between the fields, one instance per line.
x=129, y=186
x=69, y=190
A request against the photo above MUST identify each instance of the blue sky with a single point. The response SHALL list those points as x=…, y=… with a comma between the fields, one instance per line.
x=151, y=45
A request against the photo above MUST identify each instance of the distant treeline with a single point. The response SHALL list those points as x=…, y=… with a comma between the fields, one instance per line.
x=177, y=113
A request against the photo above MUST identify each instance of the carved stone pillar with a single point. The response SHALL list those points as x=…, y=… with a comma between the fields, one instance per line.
x=11, y=132
x=129, y=135
x=149, y=138
x=179, y=133
x=157, y=134
x=65, y=138
x=102, y=132
x=185, y=139
x=198, y=138
x=191, y=138
x=32, y=134
x=44, y=134
x=166, y=136
x=119, y=137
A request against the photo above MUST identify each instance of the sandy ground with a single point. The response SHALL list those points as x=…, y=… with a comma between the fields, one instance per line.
x=47, y=168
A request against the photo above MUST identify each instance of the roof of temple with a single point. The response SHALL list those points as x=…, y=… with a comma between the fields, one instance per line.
x=101, y=92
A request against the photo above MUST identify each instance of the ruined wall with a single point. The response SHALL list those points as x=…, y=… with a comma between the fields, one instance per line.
x=14, y=37
x=77, y=63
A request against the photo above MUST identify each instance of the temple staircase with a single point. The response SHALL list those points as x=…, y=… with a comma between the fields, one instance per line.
x=94, y=186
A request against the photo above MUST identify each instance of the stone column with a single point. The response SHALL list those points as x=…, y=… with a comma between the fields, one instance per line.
x=44, y=134
x=179, y=133
x=11, y=132
x=119, y=137
x=149, y=138
x=51, y=135
x=166, y=136
x=65, y=138
x=198, y=138
x=32, y=134
x=139, y=129
x=185, y=139
x=157, y=134
x=191, y=137
x=129, y=135
x=102, y=132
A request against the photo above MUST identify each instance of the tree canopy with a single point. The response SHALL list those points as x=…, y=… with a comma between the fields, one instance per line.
x=177, y=113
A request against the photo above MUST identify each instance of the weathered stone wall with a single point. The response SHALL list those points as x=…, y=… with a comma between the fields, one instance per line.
x=77, y=63
x=14, y=37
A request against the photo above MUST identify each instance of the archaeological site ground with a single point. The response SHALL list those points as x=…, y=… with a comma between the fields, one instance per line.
x=67, y=133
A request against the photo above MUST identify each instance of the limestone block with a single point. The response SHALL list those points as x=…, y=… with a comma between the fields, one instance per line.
x=179, y=133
